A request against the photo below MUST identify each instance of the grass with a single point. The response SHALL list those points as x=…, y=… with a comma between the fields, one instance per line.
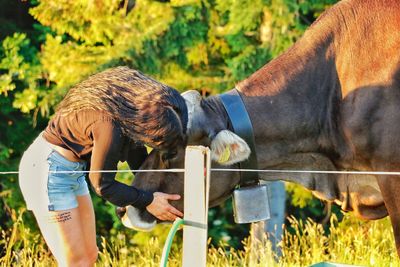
x=350, y=241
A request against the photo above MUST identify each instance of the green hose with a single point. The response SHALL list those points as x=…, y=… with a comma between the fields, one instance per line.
x=168, y=242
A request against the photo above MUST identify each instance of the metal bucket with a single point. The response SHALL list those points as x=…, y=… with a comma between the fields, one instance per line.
x=251, y=204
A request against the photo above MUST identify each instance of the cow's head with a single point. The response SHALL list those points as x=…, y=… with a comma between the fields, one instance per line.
x=206, y=127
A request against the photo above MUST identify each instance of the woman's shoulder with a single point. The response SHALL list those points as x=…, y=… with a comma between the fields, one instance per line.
x=89, y=120
x=97, y=114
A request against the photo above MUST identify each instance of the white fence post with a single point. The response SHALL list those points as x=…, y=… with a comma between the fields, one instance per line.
x=197, y=183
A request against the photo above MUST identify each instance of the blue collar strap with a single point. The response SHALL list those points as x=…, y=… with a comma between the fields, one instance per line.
x=242, y=126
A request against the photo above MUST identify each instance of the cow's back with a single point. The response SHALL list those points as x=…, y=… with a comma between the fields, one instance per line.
x=367, y=43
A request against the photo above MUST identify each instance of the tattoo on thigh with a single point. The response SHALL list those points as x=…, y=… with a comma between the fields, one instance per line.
x=60, y=217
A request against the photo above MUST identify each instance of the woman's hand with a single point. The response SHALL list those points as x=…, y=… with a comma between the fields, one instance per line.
x=161, y=209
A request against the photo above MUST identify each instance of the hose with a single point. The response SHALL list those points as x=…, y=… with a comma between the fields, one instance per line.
x=168, y=243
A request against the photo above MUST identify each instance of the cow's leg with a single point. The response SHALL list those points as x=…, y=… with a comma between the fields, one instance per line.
x=390, y=188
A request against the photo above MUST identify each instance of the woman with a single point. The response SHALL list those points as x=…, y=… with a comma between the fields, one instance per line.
x=103, y=120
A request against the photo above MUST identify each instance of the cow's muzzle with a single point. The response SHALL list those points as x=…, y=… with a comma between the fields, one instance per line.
x=136, y=219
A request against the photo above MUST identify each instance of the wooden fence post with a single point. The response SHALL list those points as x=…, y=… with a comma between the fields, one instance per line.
x=197, y=182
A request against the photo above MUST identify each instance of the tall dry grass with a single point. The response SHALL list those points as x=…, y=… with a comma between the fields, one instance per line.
x=350, y=241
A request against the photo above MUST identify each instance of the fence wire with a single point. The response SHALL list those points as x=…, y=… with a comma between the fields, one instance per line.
x=226, y=170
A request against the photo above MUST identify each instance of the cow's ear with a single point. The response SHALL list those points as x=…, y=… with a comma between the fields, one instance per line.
x=227, y=148
x=192, y=96
x=192, y=99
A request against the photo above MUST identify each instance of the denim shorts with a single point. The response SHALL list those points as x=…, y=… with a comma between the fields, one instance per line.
x=65, y=181
x=48, y=181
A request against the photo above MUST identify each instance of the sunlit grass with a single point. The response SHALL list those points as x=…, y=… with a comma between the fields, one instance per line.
x=351, y=241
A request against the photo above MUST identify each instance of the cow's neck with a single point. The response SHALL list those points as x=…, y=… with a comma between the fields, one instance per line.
x=294, y=101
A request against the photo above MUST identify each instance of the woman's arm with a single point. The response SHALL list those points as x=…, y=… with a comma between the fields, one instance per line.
x=108, y=142
x=107, y=145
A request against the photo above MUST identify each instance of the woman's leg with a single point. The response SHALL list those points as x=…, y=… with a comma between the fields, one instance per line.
x=69, y=228
x=88, y=223
x=65, y=233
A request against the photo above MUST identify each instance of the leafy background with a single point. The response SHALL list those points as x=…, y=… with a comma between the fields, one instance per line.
x=209, y=45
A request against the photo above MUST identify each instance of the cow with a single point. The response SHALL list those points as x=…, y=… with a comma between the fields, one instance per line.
x=330, y=102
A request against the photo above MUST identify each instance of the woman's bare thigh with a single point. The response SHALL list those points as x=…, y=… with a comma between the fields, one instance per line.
x=65, y=233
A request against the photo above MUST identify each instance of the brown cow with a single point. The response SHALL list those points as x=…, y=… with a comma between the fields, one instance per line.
x=331, y=102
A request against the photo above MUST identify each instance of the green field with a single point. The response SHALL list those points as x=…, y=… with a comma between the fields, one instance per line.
x=350, y=241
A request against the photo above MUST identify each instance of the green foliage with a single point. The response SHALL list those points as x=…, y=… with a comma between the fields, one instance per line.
x=301, y=204
x=18, y=61
x=300, y=197
x=223, y=229
x=246, y=62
